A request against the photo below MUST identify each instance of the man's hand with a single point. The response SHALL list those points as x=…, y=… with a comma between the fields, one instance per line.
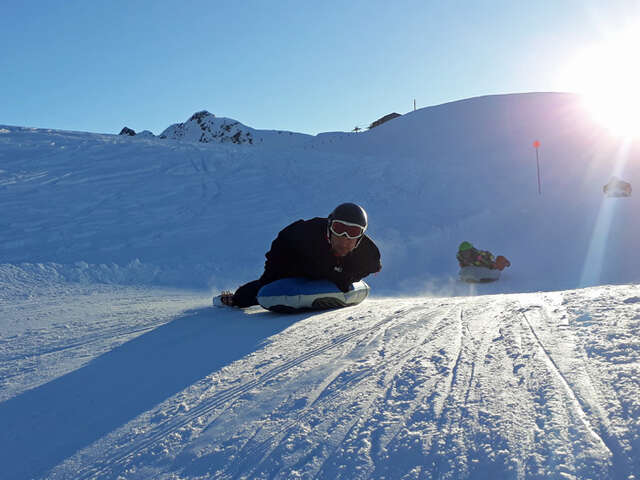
x=344, y=286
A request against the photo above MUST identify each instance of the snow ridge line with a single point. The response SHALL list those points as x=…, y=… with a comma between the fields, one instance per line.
x=620, y=462
x=439, y=402
x=477, y=346
x=219, y=400
x=464, y=333
x=472, y=375
x=576, y=402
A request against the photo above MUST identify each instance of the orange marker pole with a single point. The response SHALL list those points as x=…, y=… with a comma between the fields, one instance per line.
x=536, y=145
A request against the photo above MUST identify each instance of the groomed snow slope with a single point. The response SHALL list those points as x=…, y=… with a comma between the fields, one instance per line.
x=537, y=385
x=113, y=365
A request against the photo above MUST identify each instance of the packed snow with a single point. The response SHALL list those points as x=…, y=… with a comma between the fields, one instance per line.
x=114, y=365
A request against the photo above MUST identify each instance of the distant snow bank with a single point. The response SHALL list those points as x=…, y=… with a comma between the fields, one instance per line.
x=18, y=280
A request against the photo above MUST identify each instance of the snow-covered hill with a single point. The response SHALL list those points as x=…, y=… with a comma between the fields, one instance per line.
x=429, y=179
x=113, y=365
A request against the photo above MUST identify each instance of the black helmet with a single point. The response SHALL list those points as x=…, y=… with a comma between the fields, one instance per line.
x=350, y=212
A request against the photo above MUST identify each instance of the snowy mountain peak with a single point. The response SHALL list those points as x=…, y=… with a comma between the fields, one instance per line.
x=205, y=127
x=199, y=116
x=127, y=131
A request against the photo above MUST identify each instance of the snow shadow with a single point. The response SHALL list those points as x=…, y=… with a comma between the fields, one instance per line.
x=44, y=426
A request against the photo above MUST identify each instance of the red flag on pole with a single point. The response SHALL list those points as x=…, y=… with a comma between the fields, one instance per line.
x=536, y=144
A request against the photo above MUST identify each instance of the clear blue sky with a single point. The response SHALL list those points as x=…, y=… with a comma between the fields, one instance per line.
x=297, y=65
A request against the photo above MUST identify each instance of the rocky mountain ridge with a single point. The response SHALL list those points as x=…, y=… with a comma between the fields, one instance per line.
x=205, y=127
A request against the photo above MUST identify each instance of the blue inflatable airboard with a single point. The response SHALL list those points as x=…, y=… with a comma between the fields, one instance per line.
x=292, y=294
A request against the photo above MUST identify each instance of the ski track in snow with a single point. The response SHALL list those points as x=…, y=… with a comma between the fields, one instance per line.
x=511, y=386
x=231, y=394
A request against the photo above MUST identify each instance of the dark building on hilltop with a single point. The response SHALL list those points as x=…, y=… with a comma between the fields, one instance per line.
x=384, y=119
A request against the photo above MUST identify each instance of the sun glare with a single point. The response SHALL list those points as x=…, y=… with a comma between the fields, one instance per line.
x=608, y=78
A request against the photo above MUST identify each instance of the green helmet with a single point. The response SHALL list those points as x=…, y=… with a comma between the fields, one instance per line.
x=465, y=246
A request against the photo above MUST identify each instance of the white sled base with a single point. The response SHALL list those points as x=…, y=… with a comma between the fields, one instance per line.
x=479, y=274
x=295, y=294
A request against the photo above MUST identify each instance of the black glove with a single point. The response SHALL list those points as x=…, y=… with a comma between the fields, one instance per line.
x=343, y=285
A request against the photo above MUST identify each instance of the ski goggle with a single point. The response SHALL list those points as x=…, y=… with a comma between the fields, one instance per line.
x=346, y=229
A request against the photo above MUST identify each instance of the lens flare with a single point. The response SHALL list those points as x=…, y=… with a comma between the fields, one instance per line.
x=595, y=260
x=608, y=78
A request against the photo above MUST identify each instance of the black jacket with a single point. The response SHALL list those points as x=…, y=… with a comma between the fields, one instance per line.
x=303, y=250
